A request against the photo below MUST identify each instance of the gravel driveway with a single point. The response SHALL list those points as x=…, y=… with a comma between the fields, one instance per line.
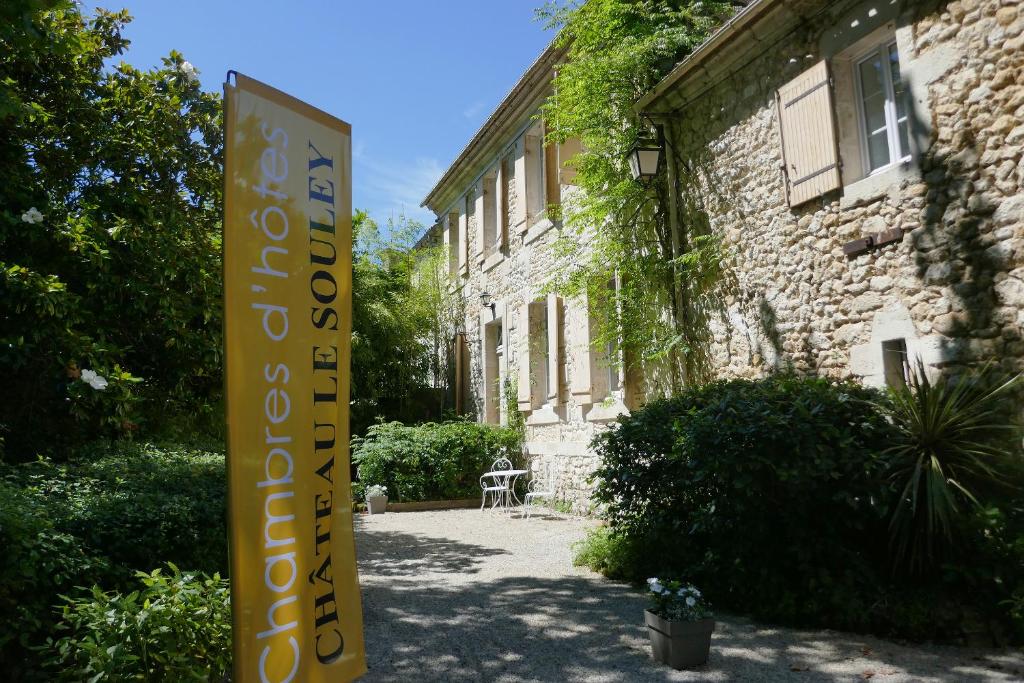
x=464, y=595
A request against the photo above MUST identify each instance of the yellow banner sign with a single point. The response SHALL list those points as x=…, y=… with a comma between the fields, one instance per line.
x=287, y=325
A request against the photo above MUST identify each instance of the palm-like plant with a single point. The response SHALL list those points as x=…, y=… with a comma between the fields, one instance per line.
x=954, y=441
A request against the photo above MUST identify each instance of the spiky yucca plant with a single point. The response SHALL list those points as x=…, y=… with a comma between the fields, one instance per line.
x=954, y=442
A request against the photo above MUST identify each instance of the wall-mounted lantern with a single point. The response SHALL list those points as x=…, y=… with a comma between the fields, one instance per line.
x=487, y=302
x=644, y=159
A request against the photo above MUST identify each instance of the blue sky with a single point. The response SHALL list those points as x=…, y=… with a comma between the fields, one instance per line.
x=414, y=78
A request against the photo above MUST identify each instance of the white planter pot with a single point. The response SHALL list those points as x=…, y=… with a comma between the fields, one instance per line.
x=377, y=505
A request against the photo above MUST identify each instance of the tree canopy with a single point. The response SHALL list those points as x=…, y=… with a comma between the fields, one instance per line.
x=109, y=232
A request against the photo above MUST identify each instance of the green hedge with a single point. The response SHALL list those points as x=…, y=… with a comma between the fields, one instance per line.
x=432, y=461
x=110, y=511
x=771, y=496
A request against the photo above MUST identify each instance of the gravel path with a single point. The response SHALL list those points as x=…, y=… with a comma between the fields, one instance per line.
x=463, y=595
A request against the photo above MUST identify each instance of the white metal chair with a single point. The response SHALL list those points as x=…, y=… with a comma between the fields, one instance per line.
x=496, y=486
x=542, y=485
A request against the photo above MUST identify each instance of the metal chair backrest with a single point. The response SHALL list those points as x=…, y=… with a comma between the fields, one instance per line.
x=501, y=464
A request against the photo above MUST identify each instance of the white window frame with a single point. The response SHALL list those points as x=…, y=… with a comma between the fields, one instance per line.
x=897, y=156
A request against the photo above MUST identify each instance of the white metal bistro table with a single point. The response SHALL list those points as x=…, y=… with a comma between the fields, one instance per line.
x=508, y=479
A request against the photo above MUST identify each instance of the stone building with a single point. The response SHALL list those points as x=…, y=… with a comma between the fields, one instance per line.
x=529, y=350
x=861, y=163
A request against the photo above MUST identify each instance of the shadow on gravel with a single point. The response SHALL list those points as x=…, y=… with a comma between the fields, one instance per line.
x=401, y=554
x=584, y=628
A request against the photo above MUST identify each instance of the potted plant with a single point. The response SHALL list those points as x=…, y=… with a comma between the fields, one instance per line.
x=376, y=499
x=679, y=623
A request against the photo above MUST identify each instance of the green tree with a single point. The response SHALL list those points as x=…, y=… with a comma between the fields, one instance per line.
x=391, y=361
x=109, y=231
x=617, y=51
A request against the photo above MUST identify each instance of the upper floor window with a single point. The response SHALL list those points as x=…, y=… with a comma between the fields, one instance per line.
x=883, y=108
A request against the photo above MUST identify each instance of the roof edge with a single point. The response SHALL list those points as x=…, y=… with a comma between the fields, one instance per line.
x=551, y=55
x=743, y=19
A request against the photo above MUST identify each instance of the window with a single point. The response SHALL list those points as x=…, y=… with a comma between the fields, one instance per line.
x=540, y=355
x=881, y=94
x=895, y=364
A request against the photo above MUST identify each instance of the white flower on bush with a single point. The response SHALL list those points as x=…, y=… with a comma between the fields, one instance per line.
x=32, y=216
x=94, y=380
x=655, y=586
x=691, y=601
x=376, y=490
x=190, y=73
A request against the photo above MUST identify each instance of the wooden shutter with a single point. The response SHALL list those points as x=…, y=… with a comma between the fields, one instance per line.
x=478, y=212
x=552, y=189
x=554, y=355
x=578, y=330
x=463, y=234
x=810, y=155
x=524, y=386
x=519, y=219
x=566, y=166
x=501, y=207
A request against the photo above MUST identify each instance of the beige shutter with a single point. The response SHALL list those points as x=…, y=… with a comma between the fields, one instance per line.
x=566, y=166
x=552, y=190
x=524, y=388
x=501, y=205
x=554, y=355
x=458, y=353
x=519, y=218
x=478, y=213
x=463, y=234
x=578, y=330
x=810, y=156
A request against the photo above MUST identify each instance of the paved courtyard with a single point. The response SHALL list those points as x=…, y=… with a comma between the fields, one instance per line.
x=463, y=595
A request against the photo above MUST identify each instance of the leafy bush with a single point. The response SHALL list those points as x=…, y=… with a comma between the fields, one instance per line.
x=37, y=564
x=617, y=555
x=137, y=505
x=432, y=461
x=176, y=628
x=774, y=496
x=953, y=443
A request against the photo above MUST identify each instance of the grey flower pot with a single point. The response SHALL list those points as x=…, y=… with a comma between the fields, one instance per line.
x=377, y=505
x=680, y=644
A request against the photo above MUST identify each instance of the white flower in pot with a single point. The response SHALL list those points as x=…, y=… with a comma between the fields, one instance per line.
x=679, y=623
x=376, y=499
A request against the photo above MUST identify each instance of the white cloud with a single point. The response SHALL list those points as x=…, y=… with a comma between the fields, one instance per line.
x=473, y=110
x=389, y=187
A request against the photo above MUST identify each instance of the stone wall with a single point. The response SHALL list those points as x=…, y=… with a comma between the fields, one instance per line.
x=558, y=435
x=952, y=282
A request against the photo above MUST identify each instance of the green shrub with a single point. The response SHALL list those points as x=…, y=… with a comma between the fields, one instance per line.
x=774, y=496
x=138, y=504
x=954, y=446
x=37, y=564
x=616, y=555
x=432, y=461
x=177, y=627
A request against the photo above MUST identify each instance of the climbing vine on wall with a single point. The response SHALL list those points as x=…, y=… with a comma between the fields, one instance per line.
x=617, y=50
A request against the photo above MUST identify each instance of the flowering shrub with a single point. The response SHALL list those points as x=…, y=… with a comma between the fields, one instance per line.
x=676, y=601
x=109, y=233
x=375, y=491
